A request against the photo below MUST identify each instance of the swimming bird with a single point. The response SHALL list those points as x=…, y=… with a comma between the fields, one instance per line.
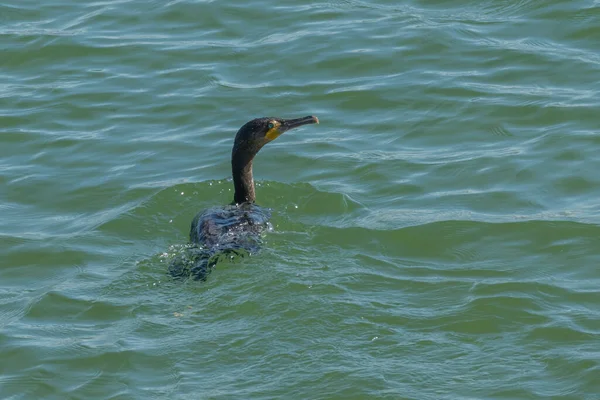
x=236, y=227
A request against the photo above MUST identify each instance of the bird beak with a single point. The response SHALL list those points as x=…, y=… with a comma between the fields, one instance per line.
x=288, y=124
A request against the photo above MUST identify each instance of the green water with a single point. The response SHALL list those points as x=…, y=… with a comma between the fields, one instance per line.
x=436, y=237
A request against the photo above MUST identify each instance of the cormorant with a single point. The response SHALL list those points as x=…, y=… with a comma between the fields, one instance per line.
x=224, y=230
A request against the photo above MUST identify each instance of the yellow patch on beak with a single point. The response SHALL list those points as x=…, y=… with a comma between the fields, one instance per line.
x=274, y=132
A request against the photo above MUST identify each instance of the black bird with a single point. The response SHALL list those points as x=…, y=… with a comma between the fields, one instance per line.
x=221, y=231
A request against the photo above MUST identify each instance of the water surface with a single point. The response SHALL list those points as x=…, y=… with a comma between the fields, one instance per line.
x=435, y=237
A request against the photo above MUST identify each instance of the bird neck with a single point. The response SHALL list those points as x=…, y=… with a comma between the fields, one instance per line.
x=243, y=182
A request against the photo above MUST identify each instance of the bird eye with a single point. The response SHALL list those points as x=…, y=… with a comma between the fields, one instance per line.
x=271, y=125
